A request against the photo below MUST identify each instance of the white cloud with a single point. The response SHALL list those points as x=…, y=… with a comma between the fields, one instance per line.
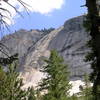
x=40, y=6
x=45, y=6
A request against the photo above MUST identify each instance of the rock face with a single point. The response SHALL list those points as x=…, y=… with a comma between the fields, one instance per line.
x=20, y=41
x=69, y=40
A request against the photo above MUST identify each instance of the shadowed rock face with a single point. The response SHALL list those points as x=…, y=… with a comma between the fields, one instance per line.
x=34, y=46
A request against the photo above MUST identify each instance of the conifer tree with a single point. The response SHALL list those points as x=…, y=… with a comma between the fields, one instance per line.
x=31, y=94
x=38, y=95
x=57, y=78
x=93, y=18
x=2, y=83
x=73, y=97
x=86, y=92
x=10, y=86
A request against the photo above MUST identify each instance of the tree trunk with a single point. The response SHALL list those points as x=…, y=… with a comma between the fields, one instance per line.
x=93, y=15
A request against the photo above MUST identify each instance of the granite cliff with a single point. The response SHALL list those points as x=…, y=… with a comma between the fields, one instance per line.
x=34, y=45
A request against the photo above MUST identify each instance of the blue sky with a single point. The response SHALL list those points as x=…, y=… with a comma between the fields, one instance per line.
x=54, y=18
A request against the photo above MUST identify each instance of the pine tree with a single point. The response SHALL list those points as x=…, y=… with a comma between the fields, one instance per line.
x=86, y=92
x=57, y=80
x=2, y=83
x=38, y=94
x=73, y=97
x=93, y=18
x=10, y=86
x=31, y=94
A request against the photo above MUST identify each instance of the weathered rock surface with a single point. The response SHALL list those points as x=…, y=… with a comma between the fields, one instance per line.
x=69, y=40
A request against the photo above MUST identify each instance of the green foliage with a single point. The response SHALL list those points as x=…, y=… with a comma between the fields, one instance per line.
x=46, y=31
x=73, y=97
x=31, y=94
x=10, y=84
x=38, y=95
x=86, y=92
x=2, y=83
x=94, y=31
x=57, y=80
x=87, y=23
